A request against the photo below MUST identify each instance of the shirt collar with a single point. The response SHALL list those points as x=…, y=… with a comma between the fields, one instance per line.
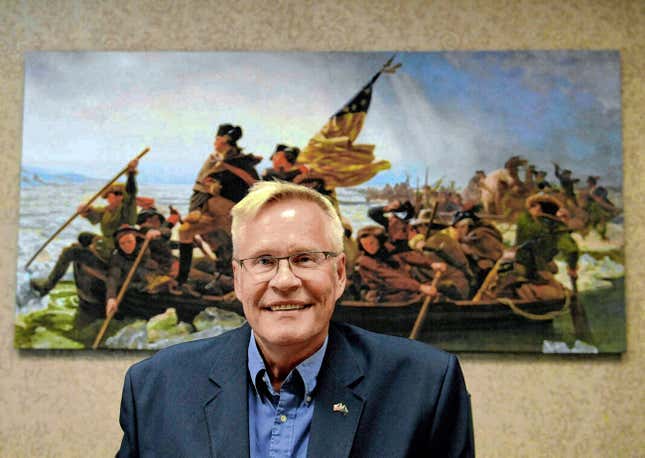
x=307, y=369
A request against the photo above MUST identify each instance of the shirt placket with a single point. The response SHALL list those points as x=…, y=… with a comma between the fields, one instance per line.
x=282, y=433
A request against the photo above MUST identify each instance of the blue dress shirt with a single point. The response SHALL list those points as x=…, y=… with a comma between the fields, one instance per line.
x=279, y=423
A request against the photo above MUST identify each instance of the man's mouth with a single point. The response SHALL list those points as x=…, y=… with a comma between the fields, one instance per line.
x=286, y=307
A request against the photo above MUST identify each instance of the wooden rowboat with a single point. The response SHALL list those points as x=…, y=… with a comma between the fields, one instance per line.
x=395, y=318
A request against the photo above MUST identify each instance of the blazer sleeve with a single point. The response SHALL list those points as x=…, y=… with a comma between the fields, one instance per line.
x=452, y=428
x=128, y=420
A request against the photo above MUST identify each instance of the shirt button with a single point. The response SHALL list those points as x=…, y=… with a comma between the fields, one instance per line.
x=308, y=399
x=283, y=418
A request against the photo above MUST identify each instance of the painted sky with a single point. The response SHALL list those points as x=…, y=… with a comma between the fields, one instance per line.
x=453, y=112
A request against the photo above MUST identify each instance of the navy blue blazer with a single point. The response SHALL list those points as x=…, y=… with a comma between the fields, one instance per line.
x=403, y=399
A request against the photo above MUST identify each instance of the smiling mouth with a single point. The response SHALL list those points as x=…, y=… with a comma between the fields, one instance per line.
x=287, y=307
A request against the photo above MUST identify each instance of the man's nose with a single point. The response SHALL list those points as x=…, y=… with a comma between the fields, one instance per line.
x=284, y=277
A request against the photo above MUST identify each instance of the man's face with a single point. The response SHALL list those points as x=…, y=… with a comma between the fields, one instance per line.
x=370, y=244
x=535, y=209
x=115, y=198
x=280, y=161
x=128, y=242
x=281, y=229
x=221, y=143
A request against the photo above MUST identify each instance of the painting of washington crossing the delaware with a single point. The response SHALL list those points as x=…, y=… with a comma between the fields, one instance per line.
x=480, y=192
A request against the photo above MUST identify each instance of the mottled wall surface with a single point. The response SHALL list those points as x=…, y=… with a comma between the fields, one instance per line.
x=66, y=404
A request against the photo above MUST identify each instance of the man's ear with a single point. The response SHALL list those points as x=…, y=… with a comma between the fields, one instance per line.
x=341, y=274
x=236, y=279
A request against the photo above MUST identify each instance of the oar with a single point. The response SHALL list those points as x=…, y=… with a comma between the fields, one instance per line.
x=122, y=291
x=424, y=309
x=71, y=218
x=578, y=314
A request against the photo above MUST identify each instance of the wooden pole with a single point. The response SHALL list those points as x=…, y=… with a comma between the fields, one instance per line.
x=71, y=218
x=122, y=291
x=432, y=215
x=424, y=309
x=578, y=314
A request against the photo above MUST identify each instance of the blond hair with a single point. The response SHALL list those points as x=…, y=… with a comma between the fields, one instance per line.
x=263, y=193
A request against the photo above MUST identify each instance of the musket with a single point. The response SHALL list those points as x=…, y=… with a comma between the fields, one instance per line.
x=71, y=218
x=122, y=291
x=432, y=215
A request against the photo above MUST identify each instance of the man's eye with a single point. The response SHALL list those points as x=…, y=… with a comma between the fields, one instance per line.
x=265, y=261
x=303, y=259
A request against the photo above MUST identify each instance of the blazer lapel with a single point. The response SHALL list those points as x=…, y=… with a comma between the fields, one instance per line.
x=338, y=407
x=227, y=412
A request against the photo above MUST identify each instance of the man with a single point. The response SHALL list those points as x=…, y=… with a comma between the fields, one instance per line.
x=290, y=383
x=396, y=227
x=223, y=180
x=541, y=234
x=283, y=161
x=405, y=275
x=92, y=249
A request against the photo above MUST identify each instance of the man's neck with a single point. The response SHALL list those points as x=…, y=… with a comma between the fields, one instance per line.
x=280, y=361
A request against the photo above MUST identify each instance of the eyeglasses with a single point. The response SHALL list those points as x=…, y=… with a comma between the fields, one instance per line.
x=265, y=266
x=117, y=193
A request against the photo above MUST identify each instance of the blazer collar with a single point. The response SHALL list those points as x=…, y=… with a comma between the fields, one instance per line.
x=332, y=429
x=338, y=406
x=227, y=411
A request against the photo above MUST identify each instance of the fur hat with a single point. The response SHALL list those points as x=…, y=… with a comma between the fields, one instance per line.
x=233, y=132
x=549, y=205
x=148, y=213
x=126, y=229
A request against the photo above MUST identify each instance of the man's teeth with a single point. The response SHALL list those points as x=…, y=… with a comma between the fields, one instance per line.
x=277, y=308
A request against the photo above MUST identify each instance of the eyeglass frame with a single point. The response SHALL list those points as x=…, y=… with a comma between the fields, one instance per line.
x=328, y=254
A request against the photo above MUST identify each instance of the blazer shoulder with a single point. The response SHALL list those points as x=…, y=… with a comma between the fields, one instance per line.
x=372, y=348
x=190, y=357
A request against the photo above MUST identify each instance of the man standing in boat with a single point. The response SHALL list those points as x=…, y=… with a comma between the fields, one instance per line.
x=290, y=382
x=541, y=234
x=223, y=180
x=92, y=249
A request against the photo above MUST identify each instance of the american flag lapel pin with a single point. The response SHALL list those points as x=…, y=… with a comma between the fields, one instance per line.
x=340, y=407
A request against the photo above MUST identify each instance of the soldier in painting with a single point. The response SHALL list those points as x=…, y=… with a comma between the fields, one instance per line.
x=147, y=276
x=595, y=200
x=567, y=182
x=150, y=220
x=223, y=180
x=402, y=276
x=284, y=167
x=541, y=235
x=481, y=243
x=473, y=191
x=396, y=226
x=92, y=249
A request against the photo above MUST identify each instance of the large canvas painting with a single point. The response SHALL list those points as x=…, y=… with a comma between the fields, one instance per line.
x=481, y=192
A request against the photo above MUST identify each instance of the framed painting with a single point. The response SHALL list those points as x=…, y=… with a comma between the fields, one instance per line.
x=481, y=192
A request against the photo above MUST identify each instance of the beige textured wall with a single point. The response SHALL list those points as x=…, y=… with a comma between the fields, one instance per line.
x=63, y=404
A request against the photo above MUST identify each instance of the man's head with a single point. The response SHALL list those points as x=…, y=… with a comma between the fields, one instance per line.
x=227, y=136
x=150, y=218
x=284, y=157
x=114, y=194
x=288, y=302
x=371, y=239
x=126, y=238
